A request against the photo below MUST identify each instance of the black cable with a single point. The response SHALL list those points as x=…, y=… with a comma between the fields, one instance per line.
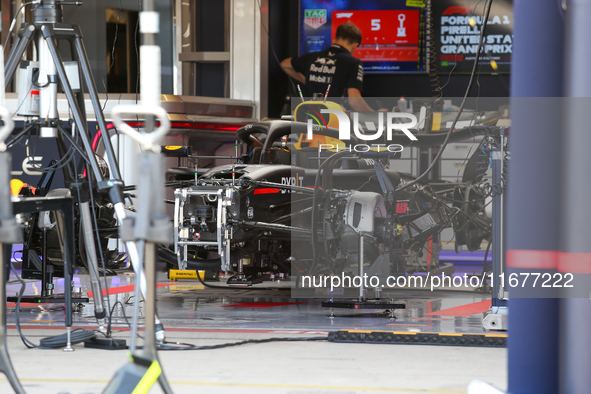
x=35, y=80
x=58, y=341
x=165, y=345
x=456, y=55
x=482, y=225
x=166, y=184
x=112, y=310
x=21, y=104
x=137, y=79
x=238, y=288
x=272, y=48
x=476, y=110
x=137, y=55
x=432, y=53
x=473, y=217
x=484, y=21
x=470, y=219
x=467, y=159
x=98, y=238
x=461, y=109
x=486, y=258
x=55, y=342
x=290, y=215
x=112, y=56
x=59, y=164
x=371, y=179
x=484, y=186
x=317, y=191
x=462, y=201
x=109, y=135
x=473, y=118
x=331, y=263
x=91, y=193
x=188, y=346
x=13, y=23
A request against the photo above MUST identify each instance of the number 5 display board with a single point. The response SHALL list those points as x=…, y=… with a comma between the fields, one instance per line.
x=388, y=36
x=392, y=30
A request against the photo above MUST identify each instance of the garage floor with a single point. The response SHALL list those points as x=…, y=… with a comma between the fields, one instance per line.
x=201, y=316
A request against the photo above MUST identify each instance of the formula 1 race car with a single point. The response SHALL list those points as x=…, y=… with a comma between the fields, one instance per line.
x=288, y=207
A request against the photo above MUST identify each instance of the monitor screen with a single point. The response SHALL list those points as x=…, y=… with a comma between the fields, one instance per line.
x=457, y=26
x=392, y=30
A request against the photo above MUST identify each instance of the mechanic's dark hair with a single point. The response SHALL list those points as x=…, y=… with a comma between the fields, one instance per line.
x=350, y=32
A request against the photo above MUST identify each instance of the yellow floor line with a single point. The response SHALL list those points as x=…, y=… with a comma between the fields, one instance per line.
x=260, y=385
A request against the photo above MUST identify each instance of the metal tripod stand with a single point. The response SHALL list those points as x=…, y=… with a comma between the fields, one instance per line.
x=150, y=225
x=47, y=28
x=9, y=233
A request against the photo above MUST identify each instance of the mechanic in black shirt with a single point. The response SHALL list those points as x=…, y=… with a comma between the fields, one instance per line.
x=334, y=66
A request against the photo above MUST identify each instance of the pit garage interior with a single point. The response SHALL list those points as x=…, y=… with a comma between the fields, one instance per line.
x=179, y=215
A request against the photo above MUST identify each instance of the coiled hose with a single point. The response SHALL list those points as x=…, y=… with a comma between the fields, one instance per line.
x=432, y=53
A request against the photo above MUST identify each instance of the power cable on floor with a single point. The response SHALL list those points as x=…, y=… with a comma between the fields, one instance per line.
x=188, y=346
x=238, y=288
x=54, y=342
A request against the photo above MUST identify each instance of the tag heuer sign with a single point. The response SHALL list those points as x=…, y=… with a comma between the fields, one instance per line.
x=315, y=18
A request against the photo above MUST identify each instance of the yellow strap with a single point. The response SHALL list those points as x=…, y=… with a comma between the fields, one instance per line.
x=149, y=378
x=436, y=121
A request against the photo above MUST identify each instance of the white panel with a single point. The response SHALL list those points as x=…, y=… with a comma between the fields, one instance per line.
x=447, y=238
x=453, y=168
x=407, y=153
x=177, y=71
x=245, y=64
x=401, y=165
x=126, y=150
x=450, y=168
x=453, y=179
x=460, y=150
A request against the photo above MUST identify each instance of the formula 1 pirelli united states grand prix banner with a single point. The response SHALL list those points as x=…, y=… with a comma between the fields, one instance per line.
x=457, y=25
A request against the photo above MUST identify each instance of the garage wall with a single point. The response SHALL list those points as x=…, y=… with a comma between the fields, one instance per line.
x=283, y=29
x=210, y=21
x=91, y=19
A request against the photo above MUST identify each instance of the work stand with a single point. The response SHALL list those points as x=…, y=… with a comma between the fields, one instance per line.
x=498, y=318
x=363, y=302
x=150, y=224
x=51, y=64
x=148, y=227
x=64, y=207
x=381, y=264
x=10, y=233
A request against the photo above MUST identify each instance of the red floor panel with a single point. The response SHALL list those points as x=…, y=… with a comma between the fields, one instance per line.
x=126, y=289
x=259, y=304
x=464, y=310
